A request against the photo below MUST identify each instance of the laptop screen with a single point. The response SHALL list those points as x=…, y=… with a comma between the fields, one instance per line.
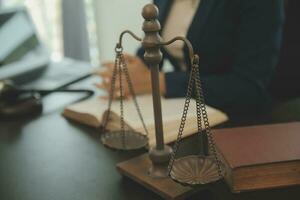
x=17, y=35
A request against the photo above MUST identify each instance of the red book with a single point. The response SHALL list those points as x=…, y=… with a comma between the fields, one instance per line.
x=260, y=157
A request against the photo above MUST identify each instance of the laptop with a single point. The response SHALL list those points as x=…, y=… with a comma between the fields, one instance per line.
x=25, y=60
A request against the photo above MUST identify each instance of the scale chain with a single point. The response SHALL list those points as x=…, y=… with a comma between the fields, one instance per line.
x=130, y=86
x=205, y=119
x=182, y=123
x=120, y=73
x=201, y=112
x=120, y=70
x=111, y=92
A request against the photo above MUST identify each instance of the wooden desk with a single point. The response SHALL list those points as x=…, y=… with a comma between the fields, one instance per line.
x=49, y=158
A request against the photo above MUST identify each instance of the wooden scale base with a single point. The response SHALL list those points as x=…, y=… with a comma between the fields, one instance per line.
x=137, y=170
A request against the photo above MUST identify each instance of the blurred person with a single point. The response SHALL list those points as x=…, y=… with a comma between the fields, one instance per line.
x=238, y=43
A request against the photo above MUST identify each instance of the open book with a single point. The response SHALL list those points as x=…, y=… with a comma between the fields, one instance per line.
x=91, y=112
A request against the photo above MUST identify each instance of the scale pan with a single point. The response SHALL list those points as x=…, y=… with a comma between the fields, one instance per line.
x=127, y=140
x=195, y=170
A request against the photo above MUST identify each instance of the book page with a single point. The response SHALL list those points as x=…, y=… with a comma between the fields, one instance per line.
x=172, y=110
x=90, y=112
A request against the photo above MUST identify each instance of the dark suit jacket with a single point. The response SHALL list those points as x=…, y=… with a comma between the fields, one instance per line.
x=286, y=82
x=238, y=42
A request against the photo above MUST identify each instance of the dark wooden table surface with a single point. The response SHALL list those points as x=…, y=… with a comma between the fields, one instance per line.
x=49, y=158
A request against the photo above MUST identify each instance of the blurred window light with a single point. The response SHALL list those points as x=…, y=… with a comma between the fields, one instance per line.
x=46, y=15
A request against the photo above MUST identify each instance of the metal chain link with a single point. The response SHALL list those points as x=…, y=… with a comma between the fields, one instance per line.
x=122, y=123
x=183, y=120
x=120, y=67
x=201, y=113
x=111, y=92
x=212, y=147
x=131, y=90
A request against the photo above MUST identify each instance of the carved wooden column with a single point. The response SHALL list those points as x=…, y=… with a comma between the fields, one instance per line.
x=160, y=154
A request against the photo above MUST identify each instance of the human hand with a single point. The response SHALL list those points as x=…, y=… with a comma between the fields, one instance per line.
x=139, y=74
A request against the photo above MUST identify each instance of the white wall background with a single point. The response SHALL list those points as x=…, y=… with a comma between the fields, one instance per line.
x=114, y=16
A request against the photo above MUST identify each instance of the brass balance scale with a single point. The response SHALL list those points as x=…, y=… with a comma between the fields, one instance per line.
x=160, y=166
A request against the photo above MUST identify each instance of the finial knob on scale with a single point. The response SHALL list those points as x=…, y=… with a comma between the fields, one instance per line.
x=152, y=40
x=150, y=12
